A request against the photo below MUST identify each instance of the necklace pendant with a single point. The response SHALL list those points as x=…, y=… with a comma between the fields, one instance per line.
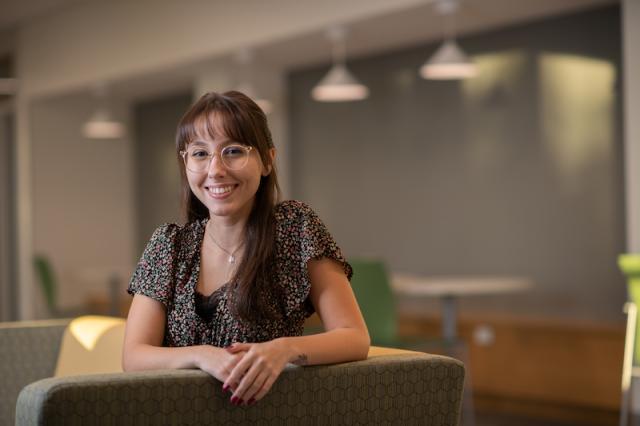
x=232, y=259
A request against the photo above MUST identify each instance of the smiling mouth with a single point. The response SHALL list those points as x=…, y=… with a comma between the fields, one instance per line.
x=220, y=190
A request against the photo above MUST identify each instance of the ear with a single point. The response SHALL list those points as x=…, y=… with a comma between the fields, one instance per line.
x=266, y=170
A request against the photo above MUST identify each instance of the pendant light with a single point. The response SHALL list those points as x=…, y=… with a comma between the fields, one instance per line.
x=101, y=125
x=339, y=85
x=449, y=62
x=244, y=59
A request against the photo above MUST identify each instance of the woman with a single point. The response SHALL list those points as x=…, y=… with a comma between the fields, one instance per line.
x=229, y=291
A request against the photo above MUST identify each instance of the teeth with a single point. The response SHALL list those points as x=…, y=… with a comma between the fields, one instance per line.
x=221, y=189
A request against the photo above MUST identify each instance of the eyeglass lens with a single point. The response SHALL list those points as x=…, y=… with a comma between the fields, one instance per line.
x=233, y=157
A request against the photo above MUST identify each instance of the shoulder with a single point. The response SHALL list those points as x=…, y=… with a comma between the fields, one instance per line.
x=293, y=210
x=297, y=223
x=171, y=234
x=165, y=231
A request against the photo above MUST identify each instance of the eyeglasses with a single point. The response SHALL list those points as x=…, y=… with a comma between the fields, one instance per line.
x=198, y=159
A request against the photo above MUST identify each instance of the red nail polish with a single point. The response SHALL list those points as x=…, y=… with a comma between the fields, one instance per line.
x=240, y=402
x=234, y=399
x=224, y=388
x=251, y=401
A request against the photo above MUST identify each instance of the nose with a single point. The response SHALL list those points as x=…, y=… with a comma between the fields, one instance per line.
x=216, y=167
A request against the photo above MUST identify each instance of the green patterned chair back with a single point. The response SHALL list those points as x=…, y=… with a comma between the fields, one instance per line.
x=630, y=266
x=29, y=351
x=370, y=283
x=403, y=390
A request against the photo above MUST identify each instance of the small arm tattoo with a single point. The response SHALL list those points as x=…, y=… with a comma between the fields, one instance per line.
x=301, y=360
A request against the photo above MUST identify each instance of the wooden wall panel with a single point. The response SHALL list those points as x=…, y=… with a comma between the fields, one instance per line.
x=575, y=364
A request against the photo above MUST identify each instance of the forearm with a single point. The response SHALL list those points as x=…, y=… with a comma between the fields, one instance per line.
x=148, y=357
x=334, y=346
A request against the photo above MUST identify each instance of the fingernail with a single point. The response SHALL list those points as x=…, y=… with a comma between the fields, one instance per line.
x=234, y=399
x=240, y=402
x=224, y=388
x=251, y=401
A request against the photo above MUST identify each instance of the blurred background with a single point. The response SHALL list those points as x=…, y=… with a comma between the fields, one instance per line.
x=514, y=176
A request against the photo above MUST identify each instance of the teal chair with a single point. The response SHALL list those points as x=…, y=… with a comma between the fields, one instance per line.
x=630, y=265
x=372, y=289
x=48, y=283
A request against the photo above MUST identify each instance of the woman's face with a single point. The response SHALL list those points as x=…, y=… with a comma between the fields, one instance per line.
x=226, y=192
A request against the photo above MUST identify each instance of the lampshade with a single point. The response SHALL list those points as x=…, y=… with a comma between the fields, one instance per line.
x=102, y=126
x=339, y=85
x=244, y=60
x=449, y=62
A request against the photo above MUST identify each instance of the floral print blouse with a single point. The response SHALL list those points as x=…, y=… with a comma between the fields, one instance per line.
x=169, y=267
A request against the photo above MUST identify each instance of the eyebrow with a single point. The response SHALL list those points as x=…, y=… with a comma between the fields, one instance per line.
x=203, y=143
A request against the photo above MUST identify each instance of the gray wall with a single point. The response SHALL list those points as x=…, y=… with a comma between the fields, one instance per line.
x=83, y=215
x=156, y=171
x=516, y=172
x=8, y=288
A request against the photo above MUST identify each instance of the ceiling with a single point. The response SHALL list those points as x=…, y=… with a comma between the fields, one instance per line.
x=416, y=25
x=401, y=28
x=17, y=12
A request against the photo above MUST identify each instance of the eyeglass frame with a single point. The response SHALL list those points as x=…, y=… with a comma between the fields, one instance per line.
x=246, y=148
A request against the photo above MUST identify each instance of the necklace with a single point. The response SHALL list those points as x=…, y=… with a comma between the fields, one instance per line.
x=232, y=254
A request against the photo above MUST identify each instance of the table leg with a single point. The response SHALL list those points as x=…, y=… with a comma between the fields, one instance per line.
x=449, y=320
x=450, y=335
x=627, y=364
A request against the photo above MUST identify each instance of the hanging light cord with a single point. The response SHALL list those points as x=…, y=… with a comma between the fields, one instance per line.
x=447, y=9
x=337, y=35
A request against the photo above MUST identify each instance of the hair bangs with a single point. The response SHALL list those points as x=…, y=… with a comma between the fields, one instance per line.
x=219, y=117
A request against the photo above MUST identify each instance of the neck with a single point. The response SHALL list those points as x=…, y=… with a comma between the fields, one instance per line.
x=228, y=233
x=228, y=229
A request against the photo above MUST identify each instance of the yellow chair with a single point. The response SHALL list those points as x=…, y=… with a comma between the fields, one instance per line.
x=91, y=345
x=630, y=265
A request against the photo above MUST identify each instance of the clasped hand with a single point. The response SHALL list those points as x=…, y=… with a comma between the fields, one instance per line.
x=256, y=371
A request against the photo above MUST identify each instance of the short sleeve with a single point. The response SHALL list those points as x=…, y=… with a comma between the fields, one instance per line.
x=153, y=276
x=307, y=238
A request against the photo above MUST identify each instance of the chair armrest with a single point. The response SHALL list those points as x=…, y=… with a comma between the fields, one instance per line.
x=28, y=352
x=407, y=389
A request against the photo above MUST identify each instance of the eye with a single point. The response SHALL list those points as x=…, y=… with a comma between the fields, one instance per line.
x=234, y=151
x=199, y=153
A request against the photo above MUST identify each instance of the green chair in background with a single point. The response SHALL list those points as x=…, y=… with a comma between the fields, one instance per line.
x=371, y=286
x=630, y=265
x=48, y=283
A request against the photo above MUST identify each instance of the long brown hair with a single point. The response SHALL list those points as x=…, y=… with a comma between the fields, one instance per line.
x=241, y=120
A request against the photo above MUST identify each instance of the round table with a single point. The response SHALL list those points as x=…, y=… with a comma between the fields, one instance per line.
x=449, y=288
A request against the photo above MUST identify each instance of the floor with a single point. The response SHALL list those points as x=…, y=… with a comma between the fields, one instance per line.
x=495, y=419
x=490, y=413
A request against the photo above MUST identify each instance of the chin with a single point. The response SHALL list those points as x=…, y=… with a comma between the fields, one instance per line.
x=222, y=210
x=226, y=209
